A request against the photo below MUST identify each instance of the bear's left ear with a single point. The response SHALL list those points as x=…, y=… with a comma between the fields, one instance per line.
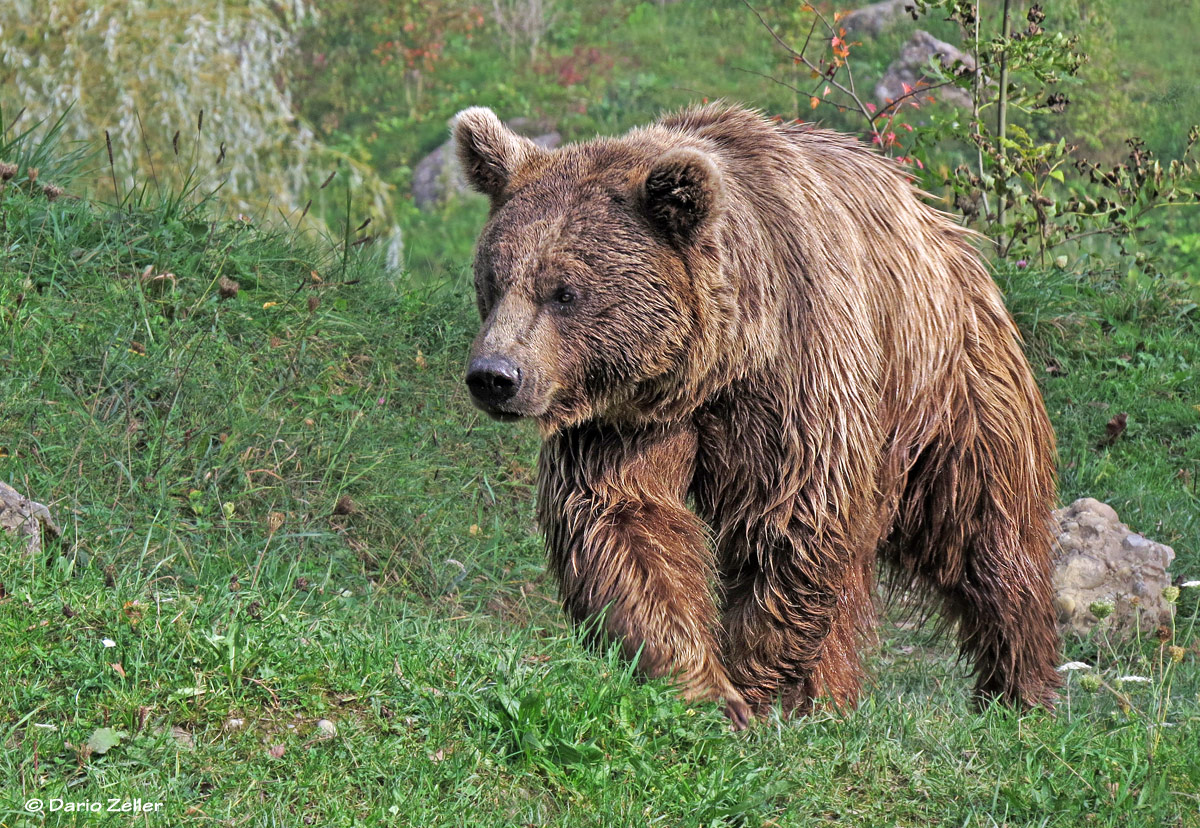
x=490, y=152
x=682, y=193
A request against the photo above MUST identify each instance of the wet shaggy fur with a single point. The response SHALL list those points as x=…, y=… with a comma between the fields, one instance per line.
x=761, y=364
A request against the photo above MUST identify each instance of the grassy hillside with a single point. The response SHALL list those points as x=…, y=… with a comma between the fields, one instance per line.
x=300, y=584
x=379, y=83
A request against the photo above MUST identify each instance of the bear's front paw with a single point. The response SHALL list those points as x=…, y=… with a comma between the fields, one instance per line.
x=738, y=713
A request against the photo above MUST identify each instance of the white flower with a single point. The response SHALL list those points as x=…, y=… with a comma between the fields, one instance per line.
x=1135, y=679
x=108, y=642
x=1074, y=665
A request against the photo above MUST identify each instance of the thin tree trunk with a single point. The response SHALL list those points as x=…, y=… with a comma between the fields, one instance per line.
x=1002, y=125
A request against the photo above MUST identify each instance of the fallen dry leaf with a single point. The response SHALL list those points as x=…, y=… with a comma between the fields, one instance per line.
x=1114, y=429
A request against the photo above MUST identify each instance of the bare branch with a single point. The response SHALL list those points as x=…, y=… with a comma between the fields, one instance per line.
x=894, y=104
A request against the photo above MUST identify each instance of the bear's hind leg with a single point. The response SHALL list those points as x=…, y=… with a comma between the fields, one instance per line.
x=981, y=541
x=1005, y=607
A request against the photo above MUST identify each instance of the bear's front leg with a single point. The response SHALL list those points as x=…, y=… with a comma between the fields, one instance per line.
x=793, y=628
x=630, y=556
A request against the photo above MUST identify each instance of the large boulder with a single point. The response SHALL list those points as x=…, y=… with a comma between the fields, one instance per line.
x=873, y=19
x=908, y=70
x=1101, y=565
x=438, y=175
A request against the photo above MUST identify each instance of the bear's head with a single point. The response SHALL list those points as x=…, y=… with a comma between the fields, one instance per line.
x=584, y=271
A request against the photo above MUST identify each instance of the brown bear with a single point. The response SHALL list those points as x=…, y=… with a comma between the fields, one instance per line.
x=760, y=364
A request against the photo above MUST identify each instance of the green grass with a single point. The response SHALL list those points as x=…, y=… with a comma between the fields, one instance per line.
x=1160, y=72
x=1104, y=344
x=195, y=449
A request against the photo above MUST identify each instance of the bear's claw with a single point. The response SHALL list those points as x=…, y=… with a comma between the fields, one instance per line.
x=738, y=713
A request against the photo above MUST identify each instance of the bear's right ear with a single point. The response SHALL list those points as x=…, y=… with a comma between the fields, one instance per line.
x=490, y=152
x=682, y=193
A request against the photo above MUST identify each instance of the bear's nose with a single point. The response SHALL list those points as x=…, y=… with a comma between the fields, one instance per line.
x=493, y=380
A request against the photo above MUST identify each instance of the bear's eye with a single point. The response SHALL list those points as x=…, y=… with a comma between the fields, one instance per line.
x=564, y=296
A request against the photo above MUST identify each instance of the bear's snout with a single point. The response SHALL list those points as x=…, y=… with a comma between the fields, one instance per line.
x=493, y=381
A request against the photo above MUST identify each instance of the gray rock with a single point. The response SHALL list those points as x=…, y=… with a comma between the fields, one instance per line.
x=438, y=175
x=25, y=518
x=1101, y=563
x=873, y=19
x=910, y=67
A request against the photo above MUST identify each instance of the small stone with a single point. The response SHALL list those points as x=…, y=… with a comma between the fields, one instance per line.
x=1097, y=507
x=1107, y=574
x=1065, y=605
x=26, y=519
x=182, y=738
x=326, y=729
x=1085, y=572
